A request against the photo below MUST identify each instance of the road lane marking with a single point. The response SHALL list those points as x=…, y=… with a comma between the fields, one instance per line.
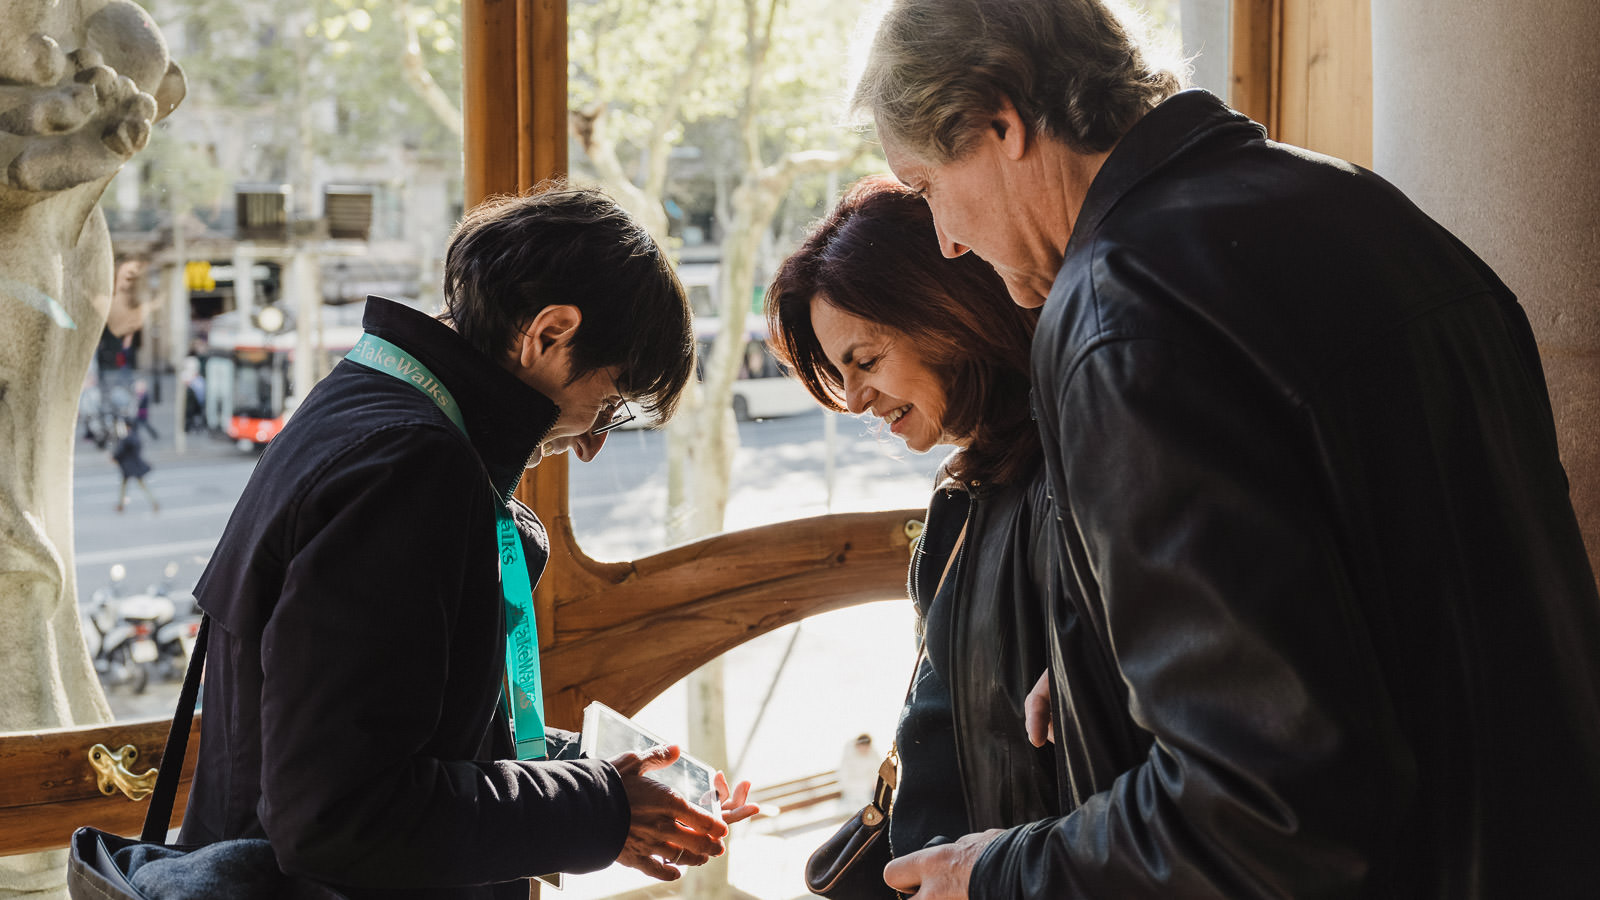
x=145, y=551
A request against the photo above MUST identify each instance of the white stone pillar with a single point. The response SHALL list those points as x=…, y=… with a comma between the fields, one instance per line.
x=244, y=283
x=1487, y=113
x=178, y=350
x=307, y=298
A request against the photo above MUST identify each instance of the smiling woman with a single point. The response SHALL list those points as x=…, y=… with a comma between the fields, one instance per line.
x=873, y=318
x=883, y=373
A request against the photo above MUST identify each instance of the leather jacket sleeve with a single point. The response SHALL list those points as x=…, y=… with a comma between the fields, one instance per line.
x=1203, y=551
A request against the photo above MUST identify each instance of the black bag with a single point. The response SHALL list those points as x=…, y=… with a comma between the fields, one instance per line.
x=849, y=865
x=105, y=866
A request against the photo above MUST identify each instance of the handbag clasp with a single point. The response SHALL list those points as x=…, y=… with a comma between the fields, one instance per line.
x=913, y=530
x=111, y=768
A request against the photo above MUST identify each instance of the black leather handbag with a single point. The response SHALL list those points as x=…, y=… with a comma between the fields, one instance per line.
x=849, y=865
x=106, y=866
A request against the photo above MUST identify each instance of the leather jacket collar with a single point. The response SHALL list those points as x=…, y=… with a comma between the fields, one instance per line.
x=1165, y=133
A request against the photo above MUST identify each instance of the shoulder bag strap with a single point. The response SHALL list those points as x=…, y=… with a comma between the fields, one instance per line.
x=158, y=818
x=889, y=771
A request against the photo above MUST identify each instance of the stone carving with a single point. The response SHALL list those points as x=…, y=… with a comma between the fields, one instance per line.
x=81, y=84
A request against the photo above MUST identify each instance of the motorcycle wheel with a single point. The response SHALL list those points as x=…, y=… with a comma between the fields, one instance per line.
x=123, y=670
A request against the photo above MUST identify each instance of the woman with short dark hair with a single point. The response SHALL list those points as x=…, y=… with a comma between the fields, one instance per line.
x=874, y=320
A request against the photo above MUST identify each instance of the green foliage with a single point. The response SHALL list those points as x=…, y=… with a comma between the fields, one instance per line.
x=362, y=47
x=187, y=170
x=626, y=54
x=341, y=59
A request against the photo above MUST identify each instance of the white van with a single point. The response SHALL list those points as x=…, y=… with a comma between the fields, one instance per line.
x=763, y=390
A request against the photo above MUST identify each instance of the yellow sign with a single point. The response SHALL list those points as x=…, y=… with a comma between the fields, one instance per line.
x=197, y=276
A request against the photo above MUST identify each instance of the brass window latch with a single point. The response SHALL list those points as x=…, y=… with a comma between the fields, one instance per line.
x=111, y=768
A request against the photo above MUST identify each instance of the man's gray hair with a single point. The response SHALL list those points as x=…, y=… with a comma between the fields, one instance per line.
x=1073, y=69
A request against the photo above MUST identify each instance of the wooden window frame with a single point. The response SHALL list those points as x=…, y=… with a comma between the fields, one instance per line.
x=1303, y=68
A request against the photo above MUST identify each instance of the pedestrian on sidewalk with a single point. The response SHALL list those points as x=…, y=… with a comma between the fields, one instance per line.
x=129, y=457
x=141, y=419
x=194, y=396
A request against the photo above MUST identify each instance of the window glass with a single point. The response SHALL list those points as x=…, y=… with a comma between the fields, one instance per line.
x=1205, y=29
x=316, y=159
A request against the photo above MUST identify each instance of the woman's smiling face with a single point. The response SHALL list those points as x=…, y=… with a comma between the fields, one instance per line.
x=884, y=374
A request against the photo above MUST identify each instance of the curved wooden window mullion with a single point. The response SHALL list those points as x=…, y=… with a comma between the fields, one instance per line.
x=624, y=632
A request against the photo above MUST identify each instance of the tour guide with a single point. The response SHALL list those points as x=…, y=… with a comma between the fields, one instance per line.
x=358, y=686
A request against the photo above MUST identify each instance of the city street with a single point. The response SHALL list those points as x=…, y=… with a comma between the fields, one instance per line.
x=618, y=500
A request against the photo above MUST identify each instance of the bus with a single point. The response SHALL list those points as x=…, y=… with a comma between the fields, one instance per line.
x=249, y=372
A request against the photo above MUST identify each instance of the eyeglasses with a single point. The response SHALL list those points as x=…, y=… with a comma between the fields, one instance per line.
x=613, y=416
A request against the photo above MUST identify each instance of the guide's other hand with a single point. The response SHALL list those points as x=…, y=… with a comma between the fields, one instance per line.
x=734, y=807
x=664, y=830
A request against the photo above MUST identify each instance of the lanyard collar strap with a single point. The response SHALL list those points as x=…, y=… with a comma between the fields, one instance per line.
x=526, y=711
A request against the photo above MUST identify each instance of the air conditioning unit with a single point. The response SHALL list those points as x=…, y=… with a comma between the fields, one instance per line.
x=262, y=211
x=348, y=211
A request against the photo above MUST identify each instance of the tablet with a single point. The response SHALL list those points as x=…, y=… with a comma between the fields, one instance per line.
x=607, y=733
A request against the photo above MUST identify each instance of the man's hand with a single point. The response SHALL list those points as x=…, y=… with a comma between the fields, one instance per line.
x=734, y=809
x=664, y=829
x=1036, y=712
x=938, y=873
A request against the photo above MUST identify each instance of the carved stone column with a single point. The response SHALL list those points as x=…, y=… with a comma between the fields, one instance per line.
x=81, y=83
x=1486, y=113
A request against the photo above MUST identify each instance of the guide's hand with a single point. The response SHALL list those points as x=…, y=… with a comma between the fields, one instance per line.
x=1036, y=713
x=663, y=830
x=734, y=807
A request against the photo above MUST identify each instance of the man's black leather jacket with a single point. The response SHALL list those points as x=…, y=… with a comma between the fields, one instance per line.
x=1306, y=470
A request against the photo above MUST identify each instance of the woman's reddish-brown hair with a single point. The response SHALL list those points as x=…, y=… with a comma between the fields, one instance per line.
x=877, y=256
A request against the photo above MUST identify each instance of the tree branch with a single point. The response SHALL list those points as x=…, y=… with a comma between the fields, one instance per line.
x=807, y=162
x=415, y=68
x=589, y=127
x=682, y=80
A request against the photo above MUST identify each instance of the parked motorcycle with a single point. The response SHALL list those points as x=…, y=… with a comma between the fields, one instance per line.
x=176, y=637
x=122, y=645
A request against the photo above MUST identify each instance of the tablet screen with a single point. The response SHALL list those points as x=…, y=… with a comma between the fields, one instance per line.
x=607, y=733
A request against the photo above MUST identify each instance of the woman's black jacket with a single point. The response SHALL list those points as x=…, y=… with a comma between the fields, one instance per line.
x=966, y=761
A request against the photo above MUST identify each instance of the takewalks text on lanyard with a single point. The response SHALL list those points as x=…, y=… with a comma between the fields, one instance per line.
x=526, y=711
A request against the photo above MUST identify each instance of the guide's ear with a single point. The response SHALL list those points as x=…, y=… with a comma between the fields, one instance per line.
x=538, y=349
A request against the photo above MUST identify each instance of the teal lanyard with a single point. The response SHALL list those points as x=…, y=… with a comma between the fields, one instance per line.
x=522, y=632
